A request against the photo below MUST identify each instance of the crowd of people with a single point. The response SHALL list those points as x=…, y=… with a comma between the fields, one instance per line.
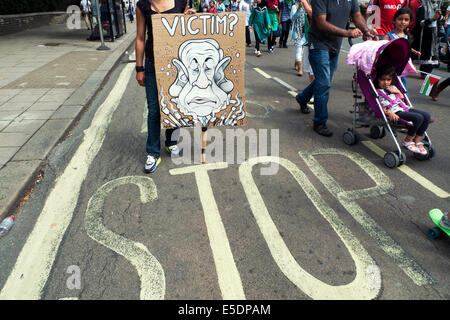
x=316, y=29
x=213, y=6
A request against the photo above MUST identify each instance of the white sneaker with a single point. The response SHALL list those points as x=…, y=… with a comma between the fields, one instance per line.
x=258, y=53
x=151, y=164
x=174, y=151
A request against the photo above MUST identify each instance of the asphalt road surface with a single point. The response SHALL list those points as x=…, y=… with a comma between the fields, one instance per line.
x=328, y=221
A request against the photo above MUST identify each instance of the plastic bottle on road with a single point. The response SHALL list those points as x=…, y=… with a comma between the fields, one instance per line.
x=6, y=224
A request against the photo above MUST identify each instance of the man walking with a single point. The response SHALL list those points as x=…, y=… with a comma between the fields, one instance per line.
x=325, y=37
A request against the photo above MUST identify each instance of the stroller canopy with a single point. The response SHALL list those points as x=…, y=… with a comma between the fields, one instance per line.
x=369, y=55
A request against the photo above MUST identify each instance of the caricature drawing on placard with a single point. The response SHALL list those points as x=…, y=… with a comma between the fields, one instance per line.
x=201, y=89
x=200, y=79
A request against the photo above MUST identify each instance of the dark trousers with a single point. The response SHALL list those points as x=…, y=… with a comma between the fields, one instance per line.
x=247, y=35
x=257, y=40
x=271, y=40
x=444, y=84
x=285, y=28
x=420, y=120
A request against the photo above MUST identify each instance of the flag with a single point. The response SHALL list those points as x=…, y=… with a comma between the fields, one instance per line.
x=428, y=83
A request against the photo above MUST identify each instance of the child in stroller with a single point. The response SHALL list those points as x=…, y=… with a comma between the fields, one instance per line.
x=370, y=58
x=394, y=107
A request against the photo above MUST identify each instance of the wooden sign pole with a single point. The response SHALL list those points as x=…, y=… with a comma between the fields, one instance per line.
x=204, y=129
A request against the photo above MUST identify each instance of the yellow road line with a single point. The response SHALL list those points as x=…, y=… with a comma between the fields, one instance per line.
x=294, y=94
x=424, y=182
x=373, y=147
x=262, y=73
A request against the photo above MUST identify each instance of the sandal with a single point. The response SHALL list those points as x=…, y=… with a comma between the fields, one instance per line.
x=411, y=146
x=421, y=149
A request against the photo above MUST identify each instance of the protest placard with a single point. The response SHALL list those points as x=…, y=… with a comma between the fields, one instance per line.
x=199, y=65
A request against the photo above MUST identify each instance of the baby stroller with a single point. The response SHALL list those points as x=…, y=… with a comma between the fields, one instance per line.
x=367, y=56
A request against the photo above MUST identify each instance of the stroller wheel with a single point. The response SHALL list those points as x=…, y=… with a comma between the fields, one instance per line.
x=349, y=137
x=391, y=160
x=402, y=159
x=377, y=132
x=431, y=152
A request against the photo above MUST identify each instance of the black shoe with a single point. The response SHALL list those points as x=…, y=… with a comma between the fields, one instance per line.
x=285, y=45
x=303, y=107
x=322, y=129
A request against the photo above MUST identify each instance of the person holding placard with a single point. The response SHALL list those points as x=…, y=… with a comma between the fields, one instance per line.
x=146, y=76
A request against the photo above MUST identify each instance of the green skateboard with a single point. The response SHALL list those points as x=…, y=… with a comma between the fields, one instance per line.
x=436, y=232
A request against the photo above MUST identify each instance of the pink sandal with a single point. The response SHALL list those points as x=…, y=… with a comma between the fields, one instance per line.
x=421, y=149
x=411, y=146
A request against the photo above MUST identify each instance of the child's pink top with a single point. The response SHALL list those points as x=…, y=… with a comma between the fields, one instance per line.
x=211, y=10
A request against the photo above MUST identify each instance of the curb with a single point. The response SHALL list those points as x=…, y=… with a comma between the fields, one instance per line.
x=25, y=173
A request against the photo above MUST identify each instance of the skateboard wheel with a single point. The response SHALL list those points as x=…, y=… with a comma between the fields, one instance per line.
x=434, y=233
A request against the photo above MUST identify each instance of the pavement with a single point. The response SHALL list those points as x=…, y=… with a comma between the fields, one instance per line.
x=48, y=77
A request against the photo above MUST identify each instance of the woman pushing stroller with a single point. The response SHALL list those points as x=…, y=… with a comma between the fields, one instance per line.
x=391, y=99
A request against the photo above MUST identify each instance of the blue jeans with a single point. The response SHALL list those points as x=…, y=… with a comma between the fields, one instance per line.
x=324, y=64
x=154, y=117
